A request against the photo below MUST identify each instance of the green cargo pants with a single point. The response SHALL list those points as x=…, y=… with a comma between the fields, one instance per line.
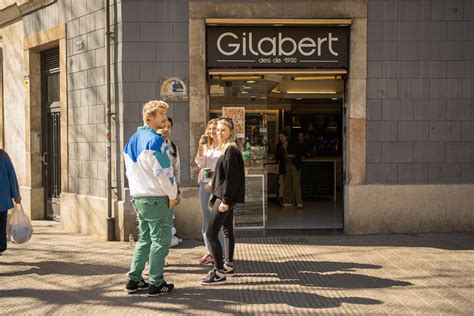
x=155, y=221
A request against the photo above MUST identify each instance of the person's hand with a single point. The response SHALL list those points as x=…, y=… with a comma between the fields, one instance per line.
x=207, y=188
x=223, y=207
x=202, y=141
x=178, y=200
x=172, y=203
x=17, y=200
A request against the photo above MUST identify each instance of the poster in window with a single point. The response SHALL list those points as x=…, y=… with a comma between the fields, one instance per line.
x=237, y=114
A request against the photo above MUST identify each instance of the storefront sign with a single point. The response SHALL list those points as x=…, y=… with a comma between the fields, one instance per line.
x=277, y=47
x=173, y=89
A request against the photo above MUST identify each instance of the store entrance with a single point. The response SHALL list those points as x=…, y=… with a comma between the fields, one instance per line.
x=301, y=186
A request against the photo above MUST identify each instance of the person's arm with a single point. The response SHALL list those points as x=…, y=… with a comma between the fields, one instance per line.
x=14, y=188
x=162, y=168
x=233, y=174
x=200, y=157
x=177, y=167
x=177, y=174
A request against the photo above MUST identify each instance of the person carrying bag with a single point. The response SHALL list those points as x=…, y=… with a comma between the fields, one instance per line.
x=9, y=191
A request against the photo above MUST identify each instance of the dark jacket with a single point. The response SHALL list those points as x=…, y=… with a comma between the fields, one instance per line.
x=280, y=156
x=8, y=183
x=229, y=178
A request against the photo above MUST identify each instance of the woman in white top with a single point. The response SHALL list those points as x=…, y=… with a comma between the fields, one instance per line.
x=207, y=156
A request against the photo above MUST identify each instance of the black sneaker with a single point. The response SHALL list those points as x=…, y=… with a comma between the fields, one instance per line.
x=134, y=286
x=163, y=289
x=214, y=278
x=229, y=270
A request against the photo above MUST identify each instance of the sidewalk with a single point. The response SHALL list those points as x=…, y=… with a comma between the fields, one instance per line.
x=59, y=273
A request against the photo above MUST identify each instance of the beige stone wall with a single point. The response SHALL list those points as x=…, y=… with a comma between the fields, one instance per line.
x=188, y=218
x=84, y=214
x=13, y=97
x=410, y=208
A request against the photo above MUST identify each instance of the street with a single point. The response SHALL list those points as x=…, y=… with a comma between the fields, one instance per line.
x=59, y=273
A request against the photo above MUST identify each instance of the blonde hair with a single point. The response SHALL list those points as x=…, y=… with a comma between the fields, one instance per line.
x=232, y=140
x=151, y=107
x=210, y=139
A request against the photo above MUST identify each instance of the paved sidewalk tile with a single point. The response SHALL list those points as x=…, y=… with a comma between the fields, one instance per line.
x=64, y=273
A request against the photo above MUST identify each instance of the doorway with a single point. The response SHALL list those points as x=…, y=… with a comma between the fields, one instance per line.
x=310, y=110
x=51, y=132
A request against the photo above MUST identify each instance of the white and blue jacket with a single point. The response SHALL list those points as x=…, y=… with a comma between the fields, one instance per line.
x=149, y=169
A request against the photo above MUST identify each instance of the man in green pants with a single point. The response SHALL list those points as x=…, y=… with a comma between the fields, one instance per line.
x=154, y=191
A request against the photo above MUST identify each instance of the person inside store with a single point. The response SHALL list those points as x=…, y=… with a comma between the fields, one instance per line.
x=228, y=189
x=9, y=192
x=304, y=148
x=289, y=159
x=206, y=159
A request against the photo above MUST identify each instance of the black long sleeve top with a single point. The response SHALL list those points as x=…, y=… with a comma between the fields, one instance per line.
x=229, y=178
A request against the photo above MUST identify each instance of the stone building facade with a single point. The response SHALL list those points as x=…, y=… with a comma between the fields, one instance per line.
x=409, y=97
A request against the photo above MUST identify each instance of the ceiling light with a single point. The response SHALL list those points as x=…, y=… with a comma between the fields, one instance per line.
x=311, y=92
x=247, y=87
x=239, y=77
x=250, y=81
x=316, y=78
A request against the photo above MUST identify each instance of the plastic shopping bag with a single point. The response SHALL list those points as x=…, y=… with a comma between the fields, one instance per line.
x=21, y=228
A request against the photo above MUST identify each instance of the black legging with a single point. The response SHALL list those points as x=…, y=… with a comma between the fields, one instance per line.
x=218, y=220
x=3, y=231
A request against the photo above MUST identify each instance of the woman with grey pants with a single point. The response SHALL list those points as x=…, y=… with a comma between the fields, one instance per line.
x=206, y=159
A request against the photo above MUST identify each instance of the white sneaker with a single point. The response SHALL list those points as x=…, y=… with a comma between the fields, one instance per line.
x=287, y=205
x=300, y=206
x=229, y=270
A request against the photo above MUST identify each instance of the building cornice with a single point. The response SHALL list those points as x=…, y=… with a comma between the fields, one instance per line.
x=11, y=12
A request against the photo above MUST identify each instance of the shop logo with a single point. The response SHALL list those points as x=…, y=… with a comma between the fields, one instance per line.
x=274, y=46
x=262, y=46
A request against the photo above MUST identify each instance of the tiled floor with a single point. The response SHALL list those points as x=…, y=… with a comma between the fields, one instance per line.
x=323, y=214
x=58, y=273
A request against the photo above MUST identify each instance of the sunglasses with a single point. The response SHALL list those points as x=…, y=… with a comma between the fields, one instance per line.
x=228, y=120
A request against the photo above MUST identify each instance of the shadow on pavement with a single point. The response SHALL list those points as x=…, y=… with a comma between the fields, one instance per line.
x=187, y=299
x=305, y=273
x=63, y=268
x=223, y=299
x=454, y=241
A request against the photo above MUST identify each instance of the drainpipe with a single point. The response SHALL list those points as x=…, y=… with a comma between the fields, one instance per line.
x=108, y=124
